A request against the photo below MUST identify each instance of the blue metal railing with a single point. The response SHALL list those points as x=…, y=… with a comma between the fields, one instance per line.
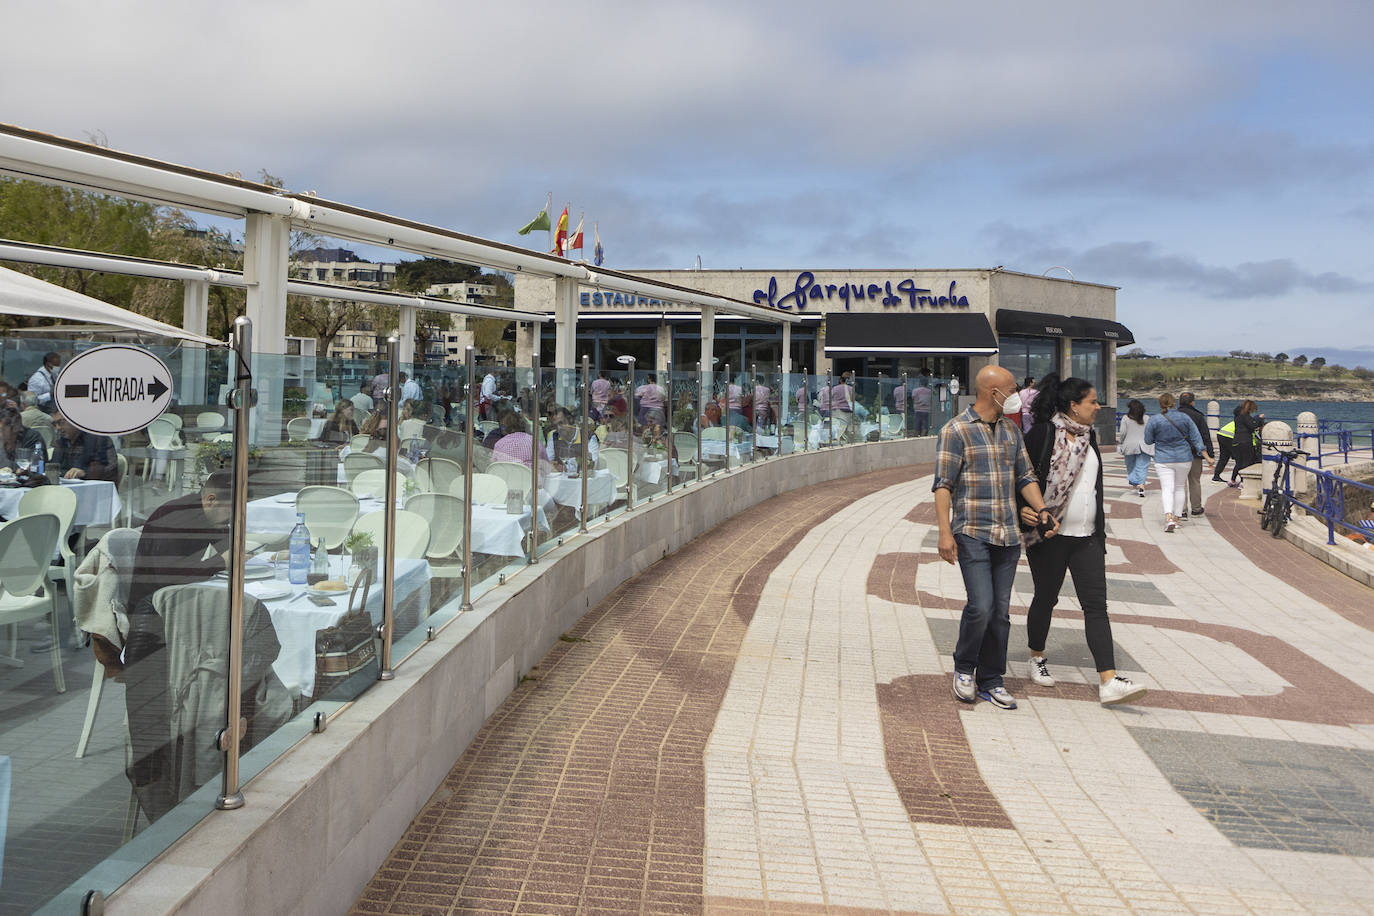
x=1329, y=499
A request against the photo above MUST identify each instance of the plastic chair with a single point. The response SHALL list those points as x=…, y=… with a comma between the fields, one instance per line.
x=119, y=543
x=372, y=482
x=175, y=419
x=48, y=434
x=164, y=435
x=412, y=532
x=617, y=461
x=209, y=421
x=298, y=430
x=329, y=512
x=516, y=475
x=489, y=489
x=359, y=443
x=26, y=546
x=481, y=458
x=412, y=428
x=487, y=426
x=441, y=473
x=685, y=447
x=355, y=463
x=61, y=502
x=444, y=515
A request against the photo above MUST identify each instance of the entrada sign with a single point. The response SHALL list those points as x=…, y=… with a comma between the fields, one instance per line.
x=114, y=390
x=806, y=288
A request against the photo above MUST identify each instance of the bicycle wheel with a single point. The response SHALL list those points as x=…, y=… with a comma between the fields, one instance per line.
x=1266, y=511
x=1280, y=516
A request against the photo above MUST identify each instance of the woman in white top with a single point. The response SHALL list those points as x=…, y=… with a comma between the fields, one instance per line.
x=1063, y=447
x=1130, y=442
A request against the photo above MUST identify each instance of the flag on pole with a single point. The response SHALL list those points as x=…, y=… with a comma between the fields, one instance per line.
x=598, y=253
x=560, y=235
x=575, y=240
x=539, y=222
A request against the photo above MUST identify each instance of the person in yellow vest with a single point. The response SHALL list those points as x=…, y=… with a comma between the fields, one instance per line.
x=1225, y=436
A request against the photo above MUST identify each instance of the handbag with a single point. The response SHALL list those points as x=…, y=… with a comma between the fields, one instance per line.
x=348, y=649
x=1192, y=448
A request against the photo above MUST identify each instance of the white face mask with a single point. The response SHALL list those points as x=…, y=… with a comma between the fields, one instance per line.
x=1013, y=403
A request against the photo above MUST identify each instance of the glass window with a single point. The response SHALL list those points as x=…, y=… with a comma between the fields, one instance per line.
x=1086, y=362
x=1033, y=357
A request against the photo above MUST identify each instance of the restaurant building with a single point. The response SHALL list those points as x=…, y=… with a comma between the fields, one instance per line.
x=888, y=321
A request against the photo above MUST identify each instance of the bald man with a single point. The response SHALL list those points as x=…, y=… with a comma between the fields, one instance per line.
x=980, y=466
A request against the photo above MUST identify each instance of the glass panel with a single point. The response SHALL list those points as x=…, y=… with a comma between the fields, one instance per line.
x=502, y=514
x=562, y=459
x=650, y=435
x=686, y=425
x=1028, y=357
x=1086, y=361
x=74, y=797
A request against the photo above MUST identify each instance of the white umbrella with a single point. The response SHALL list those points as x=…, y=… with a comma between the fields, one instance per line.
x=21, y=294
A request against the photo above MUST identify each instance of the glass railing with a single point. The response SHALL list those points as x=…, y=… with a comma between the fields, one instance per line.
x=461, y=485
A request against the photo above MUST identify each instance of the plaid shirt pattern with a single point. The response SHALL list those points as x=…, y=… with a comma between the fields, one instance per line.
x=983, y=466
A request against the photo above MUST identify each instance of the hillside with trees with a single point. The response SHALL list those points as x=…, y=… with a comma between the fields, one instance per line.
x=1241, y=374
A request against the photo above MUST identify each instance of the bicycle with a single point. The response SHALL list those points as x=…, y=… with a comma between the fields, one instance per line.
x=1278, y=508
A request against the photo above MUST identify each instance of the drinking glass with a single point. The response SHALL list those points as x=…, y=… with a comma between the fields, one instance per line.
x=23, y=458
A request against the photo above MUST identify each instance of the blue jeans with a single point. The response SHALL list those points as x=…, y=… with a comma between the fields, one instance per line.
x=985, y=627
x=1137, y=467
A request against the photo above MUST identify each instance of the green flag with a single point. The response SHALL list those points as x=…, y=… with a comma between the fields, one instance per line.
x=539, y=222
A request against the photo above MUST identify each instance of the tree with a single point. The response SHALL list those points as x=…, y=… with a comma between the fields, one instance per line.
x=1317, y=363
x=1300, y=360
x=417, y=276
x=1281, y=358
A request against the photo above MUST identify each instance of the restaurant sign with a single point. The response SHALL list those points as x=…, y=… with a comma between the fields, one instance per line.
x=805, y=289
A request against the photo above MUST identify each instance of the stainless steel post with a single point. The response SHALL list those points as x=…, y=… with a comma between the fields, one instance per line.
x=805, y=406
x=830, y=408
x=906, y=403
x=669, y=440
x=630, y=451
x=393, y=448
x=753, y=408
x=534, y=461
x=582, y=461
x=240, y=403
x=701, y=415
x=469, y=418
x=725, y=416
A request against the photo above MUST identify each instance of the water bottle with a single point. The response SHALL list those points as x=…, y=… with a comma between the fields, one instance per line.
x=299, y=548
x=319, y=567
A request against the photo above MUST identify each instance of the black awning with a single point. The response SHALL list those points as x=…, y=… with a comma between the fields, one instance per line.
x=1047, y=324
x=870, y=334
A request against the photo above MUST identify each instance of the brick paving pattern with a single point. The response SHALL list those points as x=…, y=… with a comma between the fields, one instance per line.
x=762, y=723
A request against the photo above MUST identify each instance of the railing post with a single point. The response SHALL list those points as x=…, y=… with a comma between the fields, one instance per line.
x=906, y=403
x=582, y=462
x=830, y=407
x=534, y=461
x=469, y=420
x=393, y=397
x=805, y=406
x=669, y=441
x=630, y=450
x=241, y=402
x=725, y=415
x=701, y=414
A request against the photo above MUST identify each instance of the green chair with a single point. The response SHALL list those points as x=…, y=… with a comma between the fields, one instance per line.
x=61, y=502
x=26, y=592
x=412, y=532
x=329, y=513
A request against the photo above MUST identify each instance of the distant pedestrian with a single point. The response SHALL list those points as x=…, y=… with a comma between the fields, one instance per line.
x=1029, y=392
x=1130, y=438
x=1246, y=446
x=1185, y=407
x=1176, y=441
x=980, y=466
x=921, y=396
x=842, y=407
x=1062, y=445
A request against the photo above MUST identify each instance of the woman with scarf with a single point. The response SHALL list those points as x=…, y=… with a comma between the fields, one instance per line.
x=1063, y=447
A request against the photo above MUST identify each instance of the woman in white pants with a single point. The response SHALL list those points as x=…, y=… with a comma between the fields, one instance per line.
x=1177, y=442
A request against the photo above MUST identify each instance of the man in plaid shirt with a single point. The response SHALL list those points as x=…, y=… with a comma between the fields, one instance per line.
x=980, y=465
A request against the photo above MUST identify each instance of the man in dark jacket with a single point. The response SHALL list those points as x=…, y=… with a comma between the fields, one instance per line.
x=82, y=456
x=1185, y=407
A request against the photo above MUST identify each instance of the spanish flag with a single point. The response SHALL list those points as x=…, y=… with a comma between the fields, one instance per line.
x=560, y=235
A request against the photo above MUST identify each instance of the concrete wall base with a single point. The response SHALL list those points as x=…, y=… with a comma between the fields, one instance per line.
x=321, y=820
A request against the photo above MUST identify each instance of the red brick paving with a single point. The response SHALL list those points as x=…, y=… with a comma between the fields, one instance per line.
x=585, y=791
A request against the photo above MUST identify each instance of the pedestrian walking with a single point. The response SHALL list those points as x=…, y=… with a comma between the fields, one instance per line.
x=1068, y=467
x=1185, y=407
x=1176, y=442
x=1225, y=436
x=980, y=466
x=1245, y=448
x=1130, y=437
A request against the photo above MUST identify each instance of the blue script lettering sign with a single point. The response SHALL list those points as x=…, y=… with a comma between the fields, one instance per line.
x=805, y=288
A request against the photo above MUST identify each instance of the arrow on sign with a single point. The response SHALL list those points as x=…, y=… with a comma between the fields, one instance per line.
x=156, y=389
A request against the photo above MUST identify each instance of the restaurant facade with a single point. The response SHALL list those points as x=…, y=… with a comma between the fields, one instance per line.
x=884, y=321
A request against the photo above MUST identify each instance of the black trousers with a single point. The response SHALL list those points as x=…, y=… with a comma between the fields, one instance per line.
x=1223, y=457
x=1085, y=560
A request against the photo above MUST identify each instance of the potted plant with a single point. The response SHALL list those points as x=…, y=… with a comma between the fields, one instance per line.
x=360, y=546
x=218, y=455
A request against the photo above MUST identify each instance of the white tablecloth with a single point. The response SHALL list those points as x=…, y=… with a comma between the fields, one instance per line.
x=567, y=491
x=494, y=531
x=715, y=448
x=97, y=502
x=651, y=471
x=296, y=619
x=821, y=433
x=772, y=442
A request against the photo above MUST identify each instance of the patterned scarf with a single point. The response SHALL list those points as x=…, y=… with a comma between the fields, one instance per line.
x=1066, y=462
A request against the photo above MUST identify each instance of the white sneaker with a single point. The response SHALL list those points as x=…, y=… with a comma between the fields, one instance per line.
x=1170, y=525
x=1040, y=672
x=965, y=691
x=1119, y=690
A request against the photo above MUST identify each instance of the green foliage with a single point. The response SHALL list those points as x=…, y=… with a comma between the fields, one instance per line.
x=1300, y=361
x=417, y=276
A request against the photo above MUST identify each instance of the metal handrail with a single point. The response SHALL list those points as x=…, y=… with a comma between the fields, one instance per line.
x=1329, y=496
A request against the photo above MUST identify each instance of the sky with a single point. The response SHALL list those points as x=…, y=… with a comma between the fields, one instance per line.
x=1215, y=161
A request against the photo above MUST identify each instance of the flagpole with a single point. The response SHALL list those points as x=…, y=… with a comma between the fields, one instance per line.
x=548, y=230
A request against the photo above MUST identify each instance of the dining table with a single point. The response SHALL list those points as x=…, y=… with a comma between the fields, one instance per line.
x=97, y=501
x=566, y=489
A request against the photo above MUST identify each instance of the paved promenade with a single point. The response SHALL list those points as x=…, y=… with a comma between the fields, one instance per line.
x=762, y=723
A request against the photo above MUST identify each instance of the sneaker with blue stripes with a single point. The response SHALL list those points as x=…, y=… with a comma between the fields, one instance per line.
x=998, y=697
